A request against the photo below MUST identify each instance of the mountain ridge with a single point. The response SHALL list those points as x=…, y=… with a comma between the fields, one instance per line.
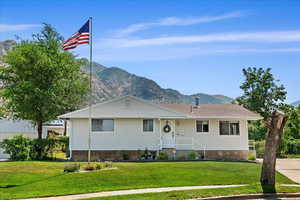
x=296, y=103
x=111, y=82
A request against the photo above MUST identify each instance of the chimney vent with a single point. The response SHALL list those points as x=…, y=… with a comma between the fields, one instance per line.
x=197, y=101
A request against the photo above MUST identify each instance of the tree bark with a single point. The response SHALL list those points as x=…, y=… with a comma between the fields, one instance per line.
x=40, y=129
x=273, y=137
x=65, y=127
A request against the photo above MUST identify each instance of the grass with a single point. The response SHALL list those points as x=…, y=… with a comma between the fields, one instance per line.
x=190, y=194
x=293, y=156
x=35, y=179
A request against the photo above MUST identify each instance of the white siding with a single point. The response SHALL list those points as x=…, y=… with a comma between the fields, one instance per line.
x=186, y=134
x=127, y=135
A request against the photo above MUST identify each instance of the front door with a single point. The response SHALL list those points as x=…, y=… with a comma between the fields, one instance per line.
x=168, y=133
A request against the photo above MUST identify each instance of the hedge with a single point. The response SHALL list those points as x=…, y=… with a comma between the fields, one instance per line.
x=23, y=148
x=287, y=146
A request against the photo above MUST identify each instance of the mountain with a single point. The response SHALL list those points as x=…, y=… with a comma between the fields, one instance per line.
x=110, y=82
x=296, y=103
x=6, y=46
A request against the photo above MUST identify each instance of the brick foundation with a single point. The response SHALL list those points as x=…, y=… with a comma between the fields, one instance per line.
x=106, y=155
x=82, y=155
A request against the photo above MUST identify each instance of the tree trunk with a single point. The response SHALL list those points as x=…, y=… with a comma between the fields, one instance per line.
x=65, y=127
x=275, y=130
x=40, y=129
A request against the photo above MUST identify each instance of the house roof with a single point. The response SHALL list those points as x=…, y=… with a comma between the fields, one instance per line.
x=125, y=107
x=214, y=111
x=133, y=107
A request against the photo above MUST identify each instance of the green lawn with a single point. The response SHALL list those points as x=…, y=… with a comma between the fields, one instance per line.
x=191, y=194
x=33, y=179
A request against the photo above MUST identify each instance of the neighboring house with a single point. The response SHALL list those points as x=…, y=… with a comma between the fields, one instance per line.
x=10, y=128
x=129, y=125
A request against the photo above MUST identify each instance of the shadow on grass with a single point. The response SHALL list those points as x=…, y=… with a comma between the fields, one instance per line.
x=31, y=182
x=7, y=186
x=267, y=189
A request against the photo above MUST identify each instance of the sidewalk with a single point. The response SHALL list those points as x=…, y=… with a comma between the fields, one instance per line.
x=134, y=191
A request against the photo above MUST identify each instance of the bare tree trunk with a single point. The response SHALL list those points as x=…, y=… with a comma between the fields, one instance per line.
x=40, y=129
x=65, y=127
x=273, y=137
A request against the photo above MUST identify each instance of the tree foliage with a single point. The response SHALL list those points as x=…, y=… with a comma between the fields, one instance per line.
x=261, y=92
x=263, y=95
x=292, y=129
x=40, y=80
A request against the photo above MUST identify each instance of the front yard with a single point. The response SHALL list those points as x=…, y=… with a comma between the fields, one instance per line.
x=35, y=179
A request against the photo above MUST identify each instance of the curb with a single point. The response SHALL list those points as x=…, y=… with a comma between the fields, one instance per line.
x=253, y=196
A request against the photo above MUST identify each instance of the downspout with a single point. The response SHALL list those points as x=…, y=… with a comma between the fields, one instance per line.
x=160, y=139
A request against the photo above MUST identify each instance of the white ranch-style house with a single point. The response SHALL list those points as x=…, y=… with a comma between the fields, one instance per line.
x=129, y=125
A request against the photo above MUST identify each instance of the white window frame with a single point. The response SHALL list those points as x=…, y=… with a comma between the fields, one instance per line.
x=230, y=121
x=199, y=132
x=103, y=132
x=142, y=126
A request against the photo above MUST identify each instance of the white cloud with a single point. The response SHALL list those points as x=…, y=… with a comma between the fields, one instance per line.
x=142, y=54
x=17, y=27
x=261, y=37
x=175, y=21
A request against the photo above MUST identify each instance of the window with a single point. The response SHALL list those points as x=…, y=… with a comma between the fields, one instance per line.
x=202, y=126
x=148, y=125
x=229, y=128
x=102, y=125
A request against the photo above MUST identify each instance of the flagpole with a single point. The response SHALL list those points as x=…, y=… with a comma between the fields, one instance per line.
x=91, y=90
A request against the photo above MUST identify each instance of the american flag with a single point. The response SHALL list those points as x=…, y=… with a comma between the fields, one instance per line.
x=80, y=37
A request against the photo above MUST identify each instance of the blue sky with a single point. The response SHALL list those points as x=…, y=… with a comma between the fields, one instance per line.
x=191, y=46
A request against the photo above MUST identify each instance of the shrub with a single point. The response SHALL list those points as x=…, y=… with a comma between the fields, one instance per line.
x=260, y=149
x=293, y=146
x=193, y=156
x=23, y=148
x=89, y=167
x=162, y=156
x=98, y=166
x=43, y=149
x=18, y=147
x=181, y=157
x=72, y=168
x=63, y=142
x=251, y=156
x=108, y=164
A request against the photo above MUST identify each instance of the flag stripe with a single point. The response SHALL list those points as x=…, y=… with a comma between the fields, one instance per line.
x=80, y=37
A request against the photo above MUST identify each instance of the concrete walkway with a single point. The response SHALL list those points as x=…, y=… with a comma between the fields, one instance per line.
x=290, y=168
x=135, y=191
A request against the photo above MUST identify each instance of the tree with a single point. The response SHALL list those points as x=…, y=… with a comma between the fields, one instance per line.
x=264, y=96
x=41, y=81
x=292, y=130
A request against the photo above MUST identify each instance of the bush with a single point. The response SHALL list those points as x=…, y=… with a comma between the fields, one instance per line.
x=162, y=156
x=293, y=146
x=98, y=166
x=23, y=148
x=260, y=149
x=181, y=157
x=63, y=143
x=89, y=167
x=108, y=164
x=251, y=156
x=72, y=168
x=19, y=147
x=193, y=156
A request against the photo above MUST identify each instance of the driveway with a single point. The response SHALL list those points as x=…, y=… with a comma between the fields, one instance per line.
x=289, y=168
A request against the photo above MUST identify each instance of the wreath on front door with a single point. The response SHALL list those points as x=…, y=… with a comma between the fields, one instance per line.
x=167, y=128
